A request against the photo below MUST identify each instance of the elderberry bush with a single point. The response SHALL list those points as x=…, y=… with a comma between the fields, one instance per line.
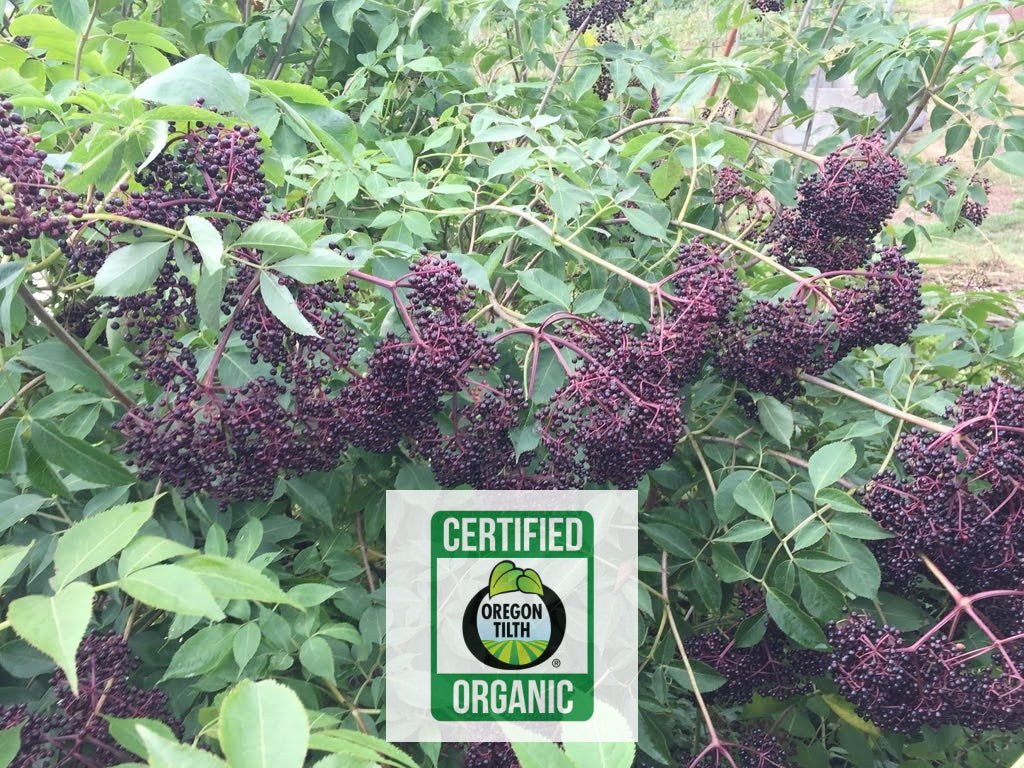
x=74, y=732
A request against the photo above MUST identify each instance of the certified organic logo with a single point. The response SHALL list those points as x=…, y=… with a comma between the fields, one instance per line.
x=515, y=622
x=512, y=616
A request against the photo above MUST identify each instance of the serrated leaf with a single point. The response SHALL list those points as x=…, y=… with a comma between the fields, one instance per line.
x=10, y=558
x=746, y=530
x=78, y=456
x=862, y=576
x=546, y=287
x=281, y=303
x=55, y=625
x=197, y=77
x=210, y=296
x=263, y=725
x=858, y=525
x=839, y=501
x=1010, y=162
x=149, y=550
x=849, y=715
x=316, y=657
x=124, y=733
x=829, y=463
x=172, y=588
x=776, y=418
x=91, y=542
x=246, y=643
x=272, y=237
x=756, y=496
x=671, y=538
x=726, y=564
x=646, y=224
x=541, y=754
x=797, y=625
x=164, y=753
x=8, y=436
x=666, y=176
x=131, y=269
x=202, y=652
x=823, y=600
x=310, y=595
x=234, y=580
x=362, y=746
x=605, y=754
x=315, y=266
x=208, y=240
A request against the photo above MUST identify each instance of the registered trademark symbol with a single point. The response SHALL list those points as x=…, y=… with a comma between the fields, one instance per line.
x=556, y=663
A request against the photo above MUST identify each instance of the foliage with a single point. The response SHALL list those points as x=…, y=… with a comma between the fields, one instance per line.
x=262, y=261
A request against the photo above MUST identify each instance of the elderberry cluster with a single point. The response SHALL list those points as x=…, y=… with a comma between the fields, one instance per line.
x=960, y=500
x=902, y=686
x=772, y=666
x=75, y=733
x=773, y=341
x=489, y=754
x=973, y=209
x=753, y=748
x=597, y=14
x=768, y=6
x=31, y=202
x=840, y=209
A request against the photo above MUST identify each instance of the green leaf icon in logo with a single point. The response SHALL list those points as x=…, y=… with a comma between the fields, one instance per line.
x=504, y=577
x=530, y=582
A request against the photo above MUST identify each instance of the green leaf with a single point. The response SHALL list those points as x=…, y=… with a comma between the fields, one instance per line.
x=800, y=627
x=671, y=538
x=644, y=223
x=73, y=14
x=541, y=754
x=124, y=732
x=202, y=652
x=149, y=550
x=839, y=501
x=55, y=625
x=726, y=564
x=756, y=495
x=310, y=595
x=823, y=600
x=172, y=588
x=199, y=76
x=529, y=582
x=362, y=746
x=91, y=542
x=165, y=753
x=246, y=643
x=53, y=358
x=8, y=438
x=208, y=240
x=1010, y=162
x=10, y=744
x=747, y=530
x=607, y=754
x=316, y=656
x=546, y=287
x=297, y=92
x=666, y=176
x=17, y=508
x=504, y=578
x=829, y=463
x=10, y=558
x=131, y=269
x=273, y=238
x=281, y=303
x=315, y=266
x=234, y=580
x=862, y=576
x=857, y=525
x=78, y=456
x=776, y=418
x=263, y=725
x=848, y=714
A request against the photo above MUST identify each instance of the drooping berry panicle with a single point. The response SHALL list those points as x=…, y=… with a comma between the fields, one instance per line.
x=74, y=733
x=960, y=499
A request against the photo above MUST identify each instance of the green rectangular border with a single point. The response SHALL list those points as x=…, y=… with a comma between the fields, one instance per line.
x=436, y=535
